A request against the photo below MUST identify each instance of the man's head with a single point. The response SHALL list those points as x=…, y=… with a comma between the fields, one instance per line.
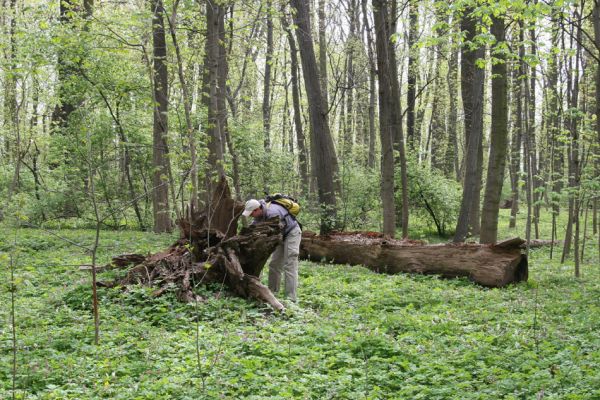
x=251, y=206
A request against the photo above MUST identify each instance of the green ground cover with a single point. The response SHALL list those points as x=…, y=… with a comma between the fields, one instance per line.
x=354, y=335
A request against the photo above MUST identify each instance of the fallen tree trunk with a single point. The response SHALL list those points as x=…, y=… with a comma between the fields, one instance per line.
x=488, y=265
x=209, y=251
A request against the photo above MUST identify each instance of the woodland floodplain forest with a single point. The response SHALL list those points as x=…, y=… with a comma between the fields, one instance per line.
x=459, y=123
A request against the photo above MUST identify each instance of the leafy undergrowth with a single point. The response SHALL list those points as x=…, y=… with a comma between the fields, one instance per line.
x=354, y=335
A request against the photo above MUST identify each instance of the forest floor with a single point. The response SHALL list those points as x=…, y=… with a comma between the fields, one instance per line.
x=355, y=334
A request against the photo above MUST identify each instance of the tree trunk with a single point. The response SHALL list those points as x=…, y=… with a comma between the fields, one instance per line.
x=536, y=182
x=222, y=115
x=488, y=265
x=396, y=117
x=412, y=137
x=372, y=74
x=452, y=166
x=160, y=182
x=499, y=141
x=351, y=44
x=323, y=152
x=472, y=75
x=187, y=105
x=573, y=152
x=386, y=109
x=517, y=137
x=266, y=104
x=437, y=124
x=596, y=22
x=300, y=139
x=11, y=108
x=322, y=53
x=474, y=121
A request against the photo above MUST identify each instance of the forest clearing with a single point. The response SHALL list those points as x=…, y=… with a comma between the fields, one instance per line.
x=354, y=334
x=299, y=199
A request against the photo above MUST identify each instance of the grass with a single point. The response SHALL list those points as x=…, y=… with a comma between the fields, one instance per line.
x=354, y=335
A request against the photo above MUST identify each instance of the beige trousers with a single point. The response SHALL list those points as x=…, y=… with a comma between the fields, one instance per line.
x=285, y=259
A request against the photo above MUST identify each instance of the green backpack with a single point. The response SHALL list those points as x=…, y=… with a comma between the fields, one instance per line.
x=290, y=203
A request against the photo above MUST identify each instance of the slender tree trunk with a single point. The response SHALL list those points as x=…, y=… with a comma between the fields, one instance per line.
x=11, y=107
x=533, y=148
x=596, y=22
x=372, y=75
x=266, y=104
x=553, y=117
x=386, y=109
x=499, y=139
x=300, y=139
x=222, y=116
x=390, y=119
x=518, y=131
x=162, y=219
x=187, y=105
x=323, y=53
x=437, y=125
x=396, y=116
x=452, y=167
x=323, y=153
x=413, y=70
x=574, y=162
x=351, y=44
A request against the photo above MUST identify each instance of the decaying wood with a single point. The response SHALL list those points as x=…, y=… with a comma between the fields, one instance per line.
x=210, y=251
x=488, y=265
x=535, y=243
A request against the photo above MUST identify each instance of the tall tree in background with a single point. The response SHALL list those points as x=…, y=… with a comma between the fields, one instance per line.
x=351, y=44
x=554, y=117
x=11, y=118
x=389, y=123
x=323, y=52
x=300, y=140
x=437, y=124
x=452, y=164
x=266, y=104
x=472, y=87
x=160, y=150
x=396, y=118
x=530, y=94
x=596, y=23
x=215, y=25
x=572, y=120
x=372, y=75
x=473, y=113
x=518, y=81
x=413, y=138
x=499, y=136
x=323, y=156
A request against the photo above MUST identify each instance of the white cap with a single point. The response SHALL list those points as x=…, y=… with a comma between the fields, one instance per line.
x=251, y=205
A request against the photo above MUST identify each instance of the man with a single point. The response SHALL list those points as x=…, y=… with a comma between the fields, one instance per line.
x=285, y=256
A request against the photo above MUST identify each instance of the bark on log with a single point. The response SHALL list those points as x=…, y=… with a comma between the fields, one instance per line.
x=488, y=265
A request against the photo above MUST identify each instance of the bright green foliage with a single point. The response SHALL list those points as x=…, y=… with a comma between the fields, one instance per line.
x=433, y=198
x=354, y=335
